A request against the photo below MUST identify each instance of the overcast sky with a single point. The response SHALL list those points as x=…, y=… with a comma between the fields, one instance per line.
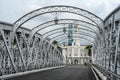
x=11, y=10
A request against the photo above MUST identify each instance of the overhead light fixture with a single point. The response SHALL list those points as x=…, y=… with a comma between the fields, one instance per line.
x=56, y=18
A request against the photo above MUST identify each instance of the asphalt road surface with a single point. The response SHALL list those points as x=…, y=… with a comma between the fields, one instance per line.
x=67, y=73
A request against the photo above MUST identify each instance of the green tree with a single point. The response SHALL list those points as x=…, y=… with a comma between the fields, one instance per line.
x=89, y=47
x=55, y=42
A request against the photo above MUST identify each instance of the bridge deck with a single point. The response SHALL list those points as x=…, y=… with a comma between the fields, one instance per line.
x=67, y=73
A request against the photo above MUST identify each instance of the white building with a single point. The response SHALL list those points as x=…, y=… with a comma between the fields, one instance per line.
x=75, y=54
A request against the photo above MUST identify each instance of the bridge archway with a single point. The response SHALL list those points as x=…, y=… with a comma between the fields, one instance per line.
x=61, y=39
x=41, y=46
x=66, y=41
x=82, y=32
x=93, y=31
x=85, y=36
x=64, y=21
x=88, y=26
x=57, y=8
x=20, y=56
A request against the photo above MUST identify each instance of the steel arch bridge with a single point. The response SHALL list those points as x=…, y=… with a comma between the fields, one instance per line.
x=23, y=50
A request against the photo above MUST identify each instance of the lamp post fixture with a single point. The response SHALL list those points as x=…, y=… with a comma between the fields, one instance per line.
x=56, y=21
x=56, y=18
x=64, y=30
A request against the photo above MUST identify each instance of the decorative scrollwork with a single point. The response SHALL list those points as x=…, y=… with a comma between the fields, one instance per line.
x=1, y=44
x=61, y=21
x=58, y=8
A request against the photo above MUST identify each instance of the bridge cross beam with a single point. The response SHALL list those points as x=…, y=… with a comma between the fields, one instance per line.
x=8, y=50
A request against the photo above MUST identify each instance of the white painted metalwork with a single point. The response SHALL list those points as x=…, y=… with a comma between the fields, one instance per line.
x=22, y=49
x=107, y=52
x=57, y=8
x=22, y=56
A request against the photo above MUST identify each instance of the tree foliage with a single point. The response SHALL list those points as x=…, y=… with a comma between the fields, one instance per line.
x=55, y=42
x=89, y=47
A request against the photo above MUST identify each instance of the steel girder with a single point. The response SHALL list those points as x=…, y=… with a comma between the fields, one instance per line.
x=63, y=21
x=21, y=58
x=60, y=35
x=54, y=38
x=65, y=37
x=81, y=37
x=8, y=50
x=93, y=31
x=90, y=40
x=81, y=32
x=107, y=52
x=66, y=40
x=57, y=8
x=85, y=35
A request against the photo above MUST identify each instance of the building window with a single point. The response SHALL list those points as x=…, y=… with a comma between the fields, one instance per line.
x=81, y=50
x=76, y=51
x=69, y=54
x=81, y=54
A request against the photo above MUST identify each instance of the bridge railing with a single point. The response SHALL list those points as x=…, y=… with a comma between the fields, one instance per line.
x=108, y=74
x=20, y=56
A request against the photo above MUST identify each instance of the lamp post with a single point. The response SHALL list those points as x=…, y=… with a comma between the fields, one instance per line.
x=56, y=18
x=64, y=30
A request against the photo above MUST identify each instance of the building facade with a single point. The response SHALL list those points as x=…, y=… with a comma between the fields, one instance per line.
x=76, y=54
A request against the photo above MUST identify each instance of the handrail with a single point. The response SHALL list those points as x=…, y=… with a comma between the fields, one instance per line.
x=109, y=74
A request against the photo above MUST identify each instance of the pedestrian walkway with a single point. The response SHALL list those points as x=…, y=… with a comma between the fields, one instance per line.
x=67, y=73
